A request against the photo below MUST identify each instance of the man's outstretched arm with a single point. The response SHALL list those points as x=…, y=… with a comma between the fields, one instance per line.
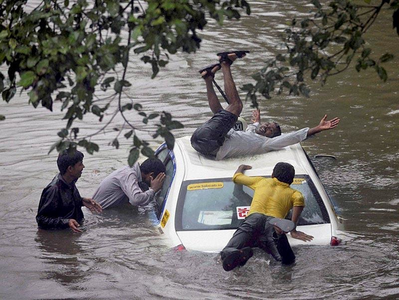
x=324, y=125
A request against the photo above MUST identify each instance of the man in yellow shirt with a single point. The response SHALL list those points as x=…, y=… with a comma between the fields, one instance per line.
x=265, y=227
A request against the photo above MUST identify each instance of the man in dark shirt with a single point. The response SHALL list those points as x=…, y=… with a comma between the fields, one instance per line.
x=60, y=203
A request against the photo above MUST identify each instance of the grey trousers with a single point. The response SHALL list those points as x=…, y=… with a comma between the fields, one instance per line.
x=257, y=232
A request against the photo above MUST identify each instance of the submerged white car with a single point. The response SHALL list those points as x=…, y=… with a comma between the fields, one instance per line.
x=200, y=207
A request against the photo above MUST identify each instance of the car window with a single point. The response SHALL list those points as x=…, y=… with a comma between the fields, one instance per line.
x=222, y=204
x=315, y=211
x=166, y=157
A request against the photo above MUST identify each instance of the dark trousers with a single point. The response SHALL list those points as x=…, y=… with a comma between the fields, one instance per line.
x=210, y=136
x=257, y=232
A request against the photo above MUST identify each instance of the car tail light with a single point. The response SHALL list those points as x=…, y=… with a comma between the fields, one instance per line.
x=335, y=241
x=179, y=248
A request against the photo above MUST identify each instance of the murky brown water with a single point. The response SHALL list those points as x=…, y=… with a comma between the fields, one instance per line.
x=121, y=256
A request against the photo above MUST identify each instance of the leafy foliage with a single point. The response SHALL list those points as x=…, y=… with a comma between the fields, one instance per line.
x=76, y=52
x=323, y=45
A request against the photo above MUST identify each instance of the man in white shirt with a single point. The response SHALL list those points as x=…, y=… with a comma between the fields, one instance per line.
x=123, y=185
x=217, y=139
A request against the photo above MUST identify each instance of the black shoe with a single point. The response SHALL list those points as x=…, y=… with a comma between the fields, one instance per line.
x=236, y=258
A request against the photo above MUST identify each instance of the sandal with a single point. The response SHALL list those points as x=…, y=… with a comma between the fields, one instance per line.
x=209, y=69
x=224, y=56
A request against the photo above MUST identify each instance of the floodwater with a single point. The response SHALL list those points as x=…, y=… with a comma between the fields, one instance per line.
x=120, y=255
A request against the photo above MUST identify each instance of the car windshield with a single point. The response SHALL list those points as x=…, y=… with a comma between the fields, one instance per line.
x=222, y=204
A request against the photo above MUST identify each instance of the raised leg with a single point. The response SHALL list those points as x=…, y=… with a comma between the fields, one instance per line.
x=235, y=106
x=214, y=103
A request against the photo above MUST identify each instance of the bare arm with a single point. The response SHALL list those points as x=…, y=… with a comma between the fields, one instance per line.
x=256, y=116
x=296, y=212
x=92, y=205
x=324, y=125
x=242, y=168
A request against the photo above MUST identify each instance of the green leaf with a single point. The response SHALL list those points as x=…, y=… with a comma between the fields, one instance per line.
x=382, y=73
x=133, y=156
x=315, y=72
x=113, y=7
x=136, y=33
x=8, y=94
x=23, y=49
x=137, y=106
x=118, y=86
x=158, y=21
x=247, y=87
x=125, y=83
x=13, y=43
x=32, y=61
x=174, y=125
x=153, y=116
x=286, y=84
x=3, y=34
x=163, y=63
x=316, y=3
x=63, y=133
x=92, y=147
x=137, y=142
x=366, y=52
x=128, y=134
x=2, y=117
x=108, y=80
x=386, y=57
x=127, y=106
x=115, y=143
x=27, y=78
x=304, y=90
x=170, y=140
x=42, y=66
x=340, y=39
x=55, y=145
x=95, y=109
x=33, y=98
x=147, y=151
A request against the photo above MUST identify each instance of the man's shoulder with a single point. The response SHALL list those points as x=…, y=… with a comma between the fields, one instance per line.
x=54, y=184
x=122, y=174
x=296, y=194
x=52, y=188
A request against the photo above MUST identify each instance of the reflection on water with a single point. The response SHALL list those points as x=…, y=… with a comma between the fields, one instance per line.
x=120, y=255
x=62, y=250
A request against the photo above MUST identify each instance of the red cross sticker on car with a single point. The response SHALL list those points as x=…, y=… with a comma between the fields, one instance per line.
x=242, y=212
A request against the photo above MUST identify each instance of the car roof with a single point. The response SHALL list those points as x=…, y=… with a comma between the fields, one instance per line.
x=198, y=166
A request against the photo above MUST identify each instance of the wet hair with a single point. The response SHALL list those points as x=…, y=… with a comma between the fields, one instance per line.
x=66, y=159
x=152, y=165
x=284, y=172
x=278, y=130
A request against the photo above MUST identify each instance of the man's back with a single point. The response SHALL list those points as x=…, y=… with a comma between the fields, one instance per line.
x=112, y=190
x=271, y=196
